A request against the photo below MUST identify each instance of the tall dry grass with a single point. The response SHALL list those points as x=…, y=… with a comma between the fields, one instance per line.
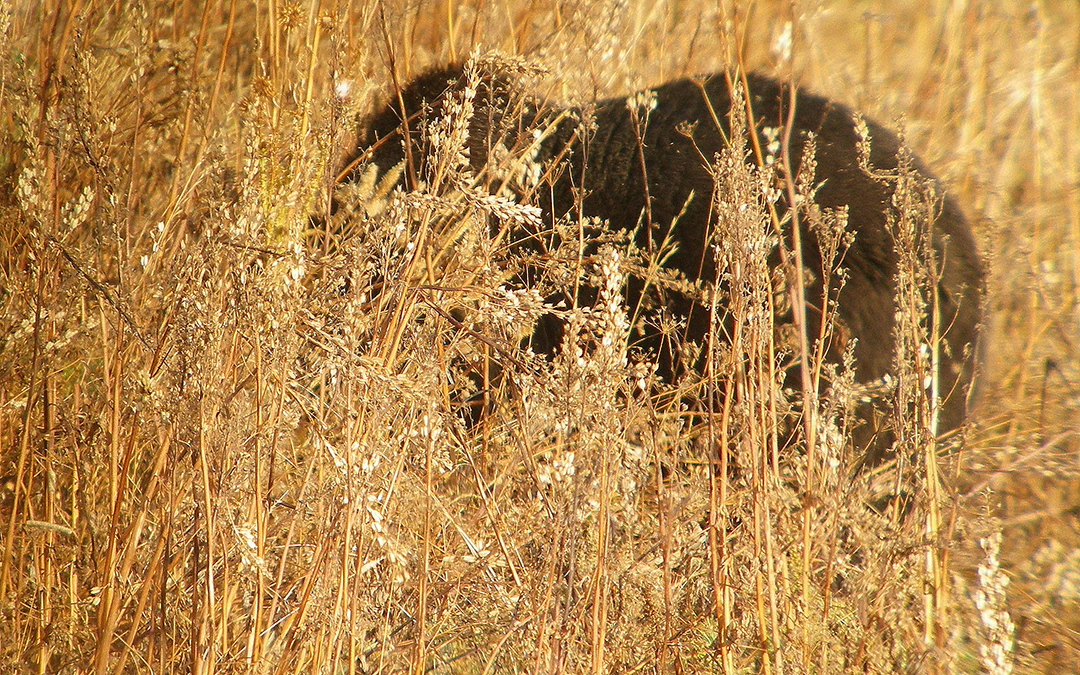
x=232, y=435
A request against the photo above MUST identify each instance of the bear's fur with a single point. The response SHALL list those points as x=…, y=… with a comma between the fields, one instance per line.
x=602, y=148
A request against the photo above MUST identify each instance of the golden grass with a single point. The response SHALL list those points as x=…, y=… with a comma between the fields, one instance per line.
x=230, y=439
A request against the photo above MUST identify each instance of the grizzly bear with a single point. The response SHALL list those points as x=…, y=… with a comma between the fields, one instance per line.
x=647, y=172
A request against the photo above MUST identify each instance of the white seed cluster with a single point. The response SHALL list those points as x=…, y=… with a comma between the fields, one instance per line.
x=999, y=632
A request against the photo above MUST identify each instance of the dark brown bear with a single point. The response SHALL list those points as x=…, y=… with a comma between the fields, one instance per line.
x=606, y=154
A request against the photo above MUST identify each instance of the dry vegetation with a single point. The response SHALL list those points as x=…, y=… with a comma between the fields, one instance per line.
x=231, y=437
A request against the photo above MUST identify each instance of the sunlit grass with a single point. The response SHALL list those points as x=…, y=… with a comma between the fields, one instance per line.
x=231, y=423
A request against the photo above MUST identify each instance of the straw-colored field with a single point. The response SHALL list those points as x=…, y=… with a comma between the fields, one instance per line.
x=232, y=435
